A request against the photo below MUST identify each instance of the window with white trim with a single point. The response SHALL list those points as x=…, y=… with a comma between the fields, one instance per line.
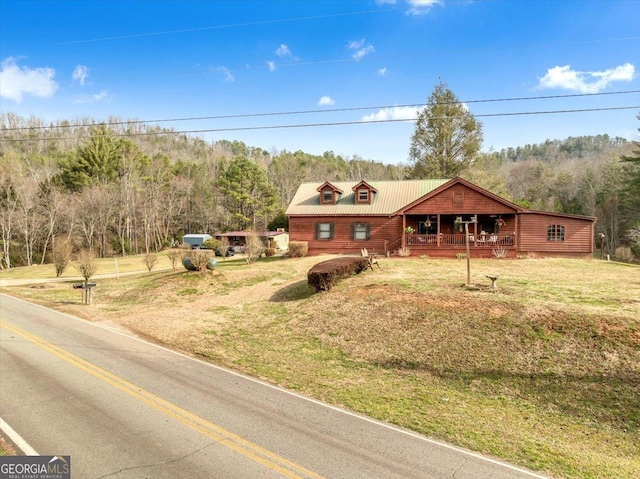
x=363, y=195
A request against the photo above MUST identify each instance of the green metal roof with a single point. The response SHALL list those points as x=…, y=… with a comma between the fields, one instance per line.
x=390, y=197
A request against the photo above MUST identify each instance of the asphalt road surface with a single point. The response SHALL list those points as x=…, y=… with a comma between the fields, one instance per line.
x=125, y=408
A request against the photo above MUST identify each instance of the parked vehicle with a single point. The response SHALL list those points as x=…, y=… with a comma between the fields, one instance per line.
x=230, y=252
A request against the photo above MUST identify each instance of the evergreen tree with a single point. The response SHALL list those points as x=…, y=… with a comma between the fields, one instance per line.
x=446, y=138
x=248, y=195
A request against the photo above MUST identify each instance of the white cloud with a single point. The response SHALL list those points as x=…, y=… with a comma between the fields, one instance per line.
x=362, y=51
x=563, y=77
x=382, y=72
x=326, y=100
x=355, y=44
x=272, y=66
x=360, y=54
x=16, y=81
x=283, y=51
x=228, y=76
x=80, y=73
x=421, y=7
x=394, y=113
x=96, y=97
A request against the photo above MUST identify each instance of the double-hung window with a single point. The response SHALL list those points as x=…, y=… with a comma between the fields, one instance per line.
x=360, y=231
x=324, y=231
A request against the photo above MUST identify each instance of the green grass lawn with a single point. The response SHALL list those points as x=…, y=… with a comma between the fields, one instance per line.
x=545, y=373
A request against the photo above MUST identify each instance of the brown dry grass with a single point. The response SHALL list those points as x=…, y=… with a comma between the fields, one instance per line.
x=545, y=373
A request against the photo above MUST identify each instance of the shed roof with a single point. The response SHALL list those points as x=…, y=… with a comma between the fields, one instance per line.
x=390, y=197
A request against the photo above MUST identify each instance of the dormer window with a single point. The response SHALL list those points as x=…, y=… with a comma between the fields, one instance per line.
x=329, y=194
x=363, y=193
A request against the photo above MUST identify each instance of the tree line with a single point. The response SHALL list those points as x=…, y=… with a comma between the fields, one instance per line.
x=122, y=187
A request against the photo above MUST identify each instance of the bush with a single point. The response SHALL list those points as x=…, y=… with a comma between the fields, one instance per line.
x=270, y=252
x=298, y=249
x=624, y=254
x=323, y=276
x=212, y=243
x=254, y=248
x=61, y=252
x=197, y=260
x=150, y=260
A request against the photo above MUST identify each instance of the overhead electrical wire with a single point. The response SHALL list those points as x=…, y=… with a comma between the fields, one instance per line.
x=341, y=123
x=324, y=110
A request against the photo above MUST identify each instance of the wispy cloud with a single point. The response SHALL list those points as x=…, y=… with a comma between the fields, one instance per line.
x=393, y=113
x=283, y=51
x=228, y=76
x=355, y=44
x=326, y=100
x=361, y=50
x=96, y=97
x=421, y=7
x=564, y=78
x=80, y=74
x=272, y=66
x=16, y=81
x=382, y=72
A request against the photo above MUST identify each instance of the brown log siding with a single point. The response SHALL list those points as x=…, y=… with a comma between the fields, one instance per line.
x=460, y=199
x=532, y=237
x=383, y=229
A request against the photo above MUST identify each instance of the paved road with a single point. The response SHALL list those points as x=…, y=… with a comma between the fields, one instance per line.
x=125, y=408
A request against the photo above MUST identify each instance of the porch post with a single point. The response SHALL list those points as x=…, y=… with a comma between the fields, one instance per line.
x=438, y=231
x=404, y=225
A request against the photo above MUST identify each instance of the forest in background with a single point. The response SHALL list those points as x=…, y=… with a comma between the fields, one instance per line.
x=123, y=187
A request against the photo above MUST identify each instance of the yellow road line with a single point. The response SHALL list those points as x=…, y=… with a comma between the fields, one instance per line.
x=237, y=443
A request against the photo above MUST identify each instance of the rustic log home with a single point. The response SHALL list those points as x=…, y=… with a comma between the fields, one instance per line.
x=429, y=217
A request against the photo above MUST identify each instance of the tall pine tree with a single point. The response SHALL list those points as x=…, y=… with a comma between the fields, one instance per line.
x=446, y=138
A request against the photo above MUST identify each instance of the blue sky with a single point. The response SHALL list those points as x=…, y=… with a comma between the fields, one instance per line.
x=368, y=60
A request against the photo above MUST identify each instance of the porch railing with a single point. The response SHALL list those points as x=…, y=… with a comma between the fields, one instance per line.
x=431, y=240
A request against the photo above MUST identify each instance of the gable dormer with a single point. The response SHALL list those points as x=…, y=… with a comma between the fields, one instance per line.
x=328, y=193
x=363, y=193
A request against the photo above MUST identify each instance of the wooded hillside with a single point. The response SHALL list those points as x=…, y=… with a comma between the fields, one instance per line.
x=124, y=186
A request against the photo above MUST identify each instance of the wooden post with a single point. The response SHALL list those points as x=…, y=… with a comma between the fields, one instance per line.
x=466, y=235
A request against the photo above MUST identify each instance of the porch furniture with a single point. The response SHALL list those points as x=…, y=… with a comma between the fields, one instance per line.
x=493, y=239
x=371, y=257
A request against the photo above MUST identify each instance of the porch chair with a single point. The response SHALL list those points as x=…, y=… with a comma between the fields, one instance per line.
x=371, y=257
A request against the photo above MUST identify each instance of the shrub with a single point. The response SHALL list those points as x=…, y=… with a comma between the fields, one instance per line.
x=461, y=255
x=500, y=252
x=404, y=252
x=270, y=252
x=197, y=259
x=150, y=260
x=86, y=264
x=61, y=252
x=212, y=243
x=254, y=248
x=298, y=249
x=624, y=254
x=174, y=255
x=323, y=276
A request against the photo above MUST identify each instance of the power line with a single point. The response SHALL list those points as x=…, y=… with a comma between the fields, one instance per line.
x=343, y=123
x=220, y=27
x=329, y=110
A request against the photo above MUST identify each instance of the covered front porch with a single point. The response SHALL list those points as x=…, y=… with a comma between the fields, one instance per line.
x=445, y=234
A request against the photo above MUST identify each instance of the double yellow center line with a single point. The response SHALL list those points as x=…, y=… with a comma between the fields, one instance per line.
x=227, y=438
